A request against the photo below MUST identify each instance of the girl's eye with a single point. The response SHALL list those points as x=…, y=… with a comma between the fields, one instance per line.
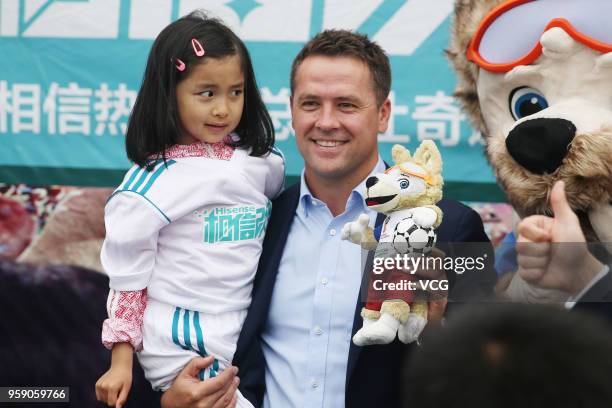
x=525, y=101
x=404, y=183
x=237, y=92
x=207, y=94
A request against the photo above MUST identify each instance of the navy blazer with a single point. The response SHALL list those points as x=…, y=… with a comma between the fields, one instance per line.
x=373, y=373
x=598, y=299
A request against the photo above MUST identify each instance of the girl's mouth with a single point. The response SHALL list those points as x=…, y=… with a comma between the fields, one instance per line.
x=216, y=127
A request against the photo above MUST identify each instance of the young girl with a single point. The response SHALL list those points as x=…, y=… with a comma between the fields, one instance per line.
x=184, y=230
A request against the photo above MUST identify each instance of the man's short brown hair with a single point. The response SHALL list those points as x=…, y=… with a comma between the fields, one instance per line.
x=344, y=43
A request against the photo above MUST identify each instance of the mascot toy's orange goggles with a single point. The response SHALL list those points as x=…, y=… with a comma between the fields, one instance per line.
x=510, y=34
x=423, y=176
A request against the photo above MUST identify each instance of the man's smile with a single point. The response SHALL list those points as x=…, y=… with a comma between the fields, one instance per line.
x=329, y=143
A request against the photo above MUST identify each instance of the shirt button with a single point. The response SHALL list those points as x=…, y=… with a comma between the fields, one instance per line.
x=332, y=232
x=324, y=281
x=314, y=384
x=318, y=331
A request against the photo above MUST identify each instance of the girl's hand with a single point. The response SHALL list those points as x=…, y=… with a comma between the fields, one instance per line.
x=113, y=387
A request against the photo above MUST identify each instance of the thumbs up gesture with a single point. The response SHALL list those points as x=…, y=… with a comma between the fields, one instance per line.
x=552, y=252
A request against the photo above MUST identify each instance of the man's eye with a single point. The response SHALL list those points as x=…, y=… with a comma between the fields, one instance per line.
x=347, y=105
x=309, y=104
x=207, y=94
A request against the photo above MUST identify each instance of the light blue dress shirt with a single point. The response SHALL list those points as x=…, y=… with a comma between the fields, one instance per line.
x=308, y=333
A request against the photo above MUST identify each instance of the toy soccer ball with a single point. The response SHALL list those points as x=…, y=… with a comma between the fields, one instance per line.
x=409, y=238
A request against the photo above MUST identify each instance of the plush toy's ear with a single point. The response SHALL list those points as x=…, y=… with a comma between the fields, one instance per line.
x=429, y=156
x=400, y=154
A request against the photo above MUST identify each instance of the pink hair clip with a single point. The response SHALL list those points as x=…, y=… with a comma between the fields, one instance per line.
x=180, y=65
x=197, y=47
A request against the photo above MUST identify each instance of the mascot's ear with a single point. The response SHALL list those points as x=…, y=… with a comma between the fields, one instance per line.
x=400, y=154
x=428, y=155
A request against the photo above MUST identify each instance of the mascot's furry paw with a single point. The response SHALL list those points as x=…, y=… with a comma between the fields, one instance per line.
x=355, y=231
x=411, y=330
x=381, y=331
x=424, y=217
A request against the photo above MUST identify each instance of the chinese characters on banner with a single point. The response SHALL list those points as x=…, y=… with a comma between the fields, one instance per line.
x=62, y=110
x=73, y=109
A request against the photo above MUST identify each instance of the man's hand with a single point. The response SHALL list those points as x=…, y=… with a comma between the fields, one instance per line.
x=438, y=298
x=189, y=391
x=568, y=267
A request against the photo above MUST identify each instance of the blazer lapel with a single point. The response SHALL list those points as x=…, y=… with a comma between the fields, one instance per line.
x=283, y=211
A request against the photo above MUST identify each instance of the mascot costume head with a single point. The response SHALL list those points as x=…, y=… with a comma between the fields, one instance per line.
x=535, y=77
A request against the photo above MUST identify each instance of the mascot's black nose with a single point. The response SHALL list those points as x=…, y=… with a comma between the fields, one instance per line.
x=540, y=144
x=371, y=181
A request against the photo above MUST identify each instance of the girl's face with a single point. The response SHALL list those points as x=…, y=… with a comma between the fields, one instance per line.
x=210, y=100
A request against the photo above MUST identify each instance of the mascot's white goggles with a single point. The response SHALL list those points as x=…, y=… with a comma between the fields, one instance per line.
x=510, y=34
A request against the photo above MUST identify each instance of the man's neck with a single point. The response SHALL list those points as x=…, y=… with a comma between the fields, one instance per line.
x=334, y=192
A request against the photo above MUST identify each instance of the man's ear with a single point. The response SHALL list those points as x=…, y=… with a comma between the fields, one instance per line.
x=291, y=109
x=384, y=112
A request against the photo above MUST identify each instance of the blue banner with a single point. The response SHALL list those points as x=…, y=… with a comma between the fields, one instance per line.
x=71, y=71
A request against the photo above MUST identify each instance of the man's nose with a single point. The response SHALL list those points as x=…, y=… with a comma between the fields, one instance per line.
x=540, y=145
x=327, y=119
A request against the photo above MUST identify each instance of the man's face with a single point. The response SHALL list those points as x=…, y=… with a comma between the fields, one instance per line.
x=336, y=119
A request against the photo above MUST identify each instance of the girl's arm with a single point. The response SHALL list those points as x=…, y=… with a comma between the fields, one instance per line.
x=121, y=332
x=125, y=315
x=132, y=223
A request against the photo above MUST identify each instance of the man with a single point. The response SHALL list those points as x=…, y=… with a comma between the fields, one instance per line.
x=295, y=348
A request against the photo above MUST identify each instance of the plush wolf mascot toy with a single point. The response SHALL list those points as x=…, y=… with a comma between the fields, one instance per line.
x=406, y=193
x=535, y=77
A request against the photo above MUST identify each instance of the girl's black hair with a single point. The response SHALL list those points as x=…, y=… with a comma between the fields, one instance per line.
x=154, y=123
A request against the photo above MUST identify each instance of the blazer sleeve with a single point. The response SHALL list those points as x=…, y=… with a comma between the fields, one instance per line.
x=598, y=299
x=470, y=240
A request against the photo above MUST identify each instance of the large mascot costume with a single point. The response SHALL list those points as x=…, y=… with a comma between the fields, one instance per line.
x=535, y=77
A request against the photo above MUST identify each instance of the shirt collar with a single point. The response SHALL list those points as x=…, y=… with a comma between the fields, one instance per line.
x=307, y=200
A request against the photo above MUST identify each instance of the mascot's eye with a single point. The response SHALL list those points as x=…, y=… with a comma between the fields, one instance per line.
x=525, y=101
x=404, y=183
